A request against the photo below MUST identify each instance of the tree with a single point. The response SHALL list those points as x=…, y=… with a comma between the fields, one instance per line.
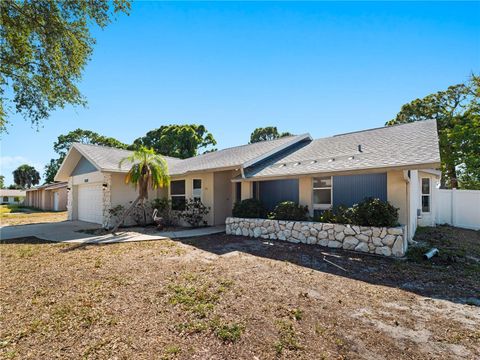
x=26, y=176
x=148, y=170
x=180, y=141
x=2, y=181
x=266, y=133
x=45, y=47
x=457, y=112
x=64, y=142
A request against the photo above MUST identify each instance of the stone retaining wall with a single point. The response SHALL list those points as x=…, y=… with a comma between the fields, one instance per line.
x=376, y=240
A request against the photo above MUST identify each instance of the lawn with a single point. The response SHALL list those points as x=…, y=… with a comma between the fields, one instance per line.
x=19, y=215
x=231, y=297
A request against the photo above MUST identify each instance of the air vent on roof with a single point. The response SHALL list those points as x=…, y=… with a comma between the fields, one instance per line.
x=332, y=159
x=351, y=158
x=360, y=148
x=313, y=162
x=297, y=163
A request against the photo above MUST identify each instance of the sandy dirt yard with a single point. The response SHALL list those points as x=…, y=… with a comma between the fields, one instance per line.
x=226, y=297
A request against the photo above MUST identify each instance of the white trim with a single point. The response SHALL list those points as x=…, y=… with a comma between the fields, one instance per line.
x=429, y=195
x=322, y=206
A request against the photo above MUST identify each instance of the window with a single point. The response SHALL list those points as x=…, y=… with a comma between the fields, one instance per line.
x=322, y=192
x=238, y=191
x=197, y=189
x=5, y=199
x=16, y=199
x=177, y=193
x=426, y=195
x=255, y=192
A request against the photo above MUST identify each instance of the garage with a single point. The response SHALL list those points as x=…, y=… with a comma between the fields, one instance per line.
x=90, y=203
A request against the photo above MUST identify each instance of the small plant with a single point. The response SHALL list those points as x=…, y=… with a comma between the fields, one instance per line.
x=229, y=333
x=287, y=337
x=289, y=210
x=195, y=212
x=249, y=208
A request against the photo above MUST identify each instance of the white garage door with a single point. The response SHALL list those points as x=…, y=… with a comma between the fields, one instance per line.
x=90, y=203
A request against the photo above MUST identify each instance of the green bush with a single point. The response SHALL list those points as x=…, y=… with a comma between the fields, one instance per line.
x=369, y=212
x=289, y=210
x=375, y=212
x=249, y=208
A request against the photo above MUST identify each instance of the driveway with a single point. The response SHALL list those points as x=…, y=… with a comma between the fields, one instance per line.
x=69, y=231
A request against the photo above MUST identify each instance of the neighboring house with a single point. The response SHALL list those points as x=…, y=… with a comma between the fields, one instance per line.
x=391, y=163
x=49, y=197
x=12, y=197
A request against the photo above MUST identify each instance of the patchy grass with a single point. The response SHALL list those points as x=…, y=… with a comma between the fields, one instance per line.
x=234, y=297
x=14, y=215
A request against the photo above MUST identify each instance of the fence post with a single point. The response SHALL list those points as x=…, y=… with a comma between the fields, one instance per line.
x=454, y=206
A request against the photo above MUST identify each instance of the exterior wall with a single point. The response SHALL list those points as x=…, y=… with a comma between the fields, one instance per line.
x=305, y=192
x=62, y=198
x=247, y=190
x=207, y=191
x=351, y=189
x=11, y=200
x=274, y=191
x=83, y=167
x=368, y=239
x=397, y=194
x=223, y=197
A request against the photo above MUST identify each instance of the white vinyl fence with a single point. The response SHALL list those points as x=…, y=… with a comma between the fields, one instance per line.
x=459, y=208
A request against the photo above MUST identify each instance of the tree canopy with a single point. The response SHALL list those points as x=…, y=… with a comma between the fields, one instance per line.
x=266, y=133
x=25, y=176
x=457, y=112
x=2, y=181
x=45, y=47
x=181, y=141
x=64, y=142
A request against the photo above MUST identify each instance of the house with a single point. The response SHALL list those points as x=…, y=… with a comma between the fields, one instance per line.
x=49, y=197
x=12, y=197
x=394, y=163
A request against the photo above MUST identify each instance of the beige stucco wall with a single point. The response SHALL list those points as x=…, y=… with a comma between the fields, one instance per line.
x=247, y=190
x=207, y=191
x=224, y=196
x=397, y=194
x=305, y=192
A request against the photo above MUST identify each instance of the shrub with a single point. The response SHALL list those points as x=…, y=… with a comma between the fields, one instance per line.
x=289, y=210
x=164, y=207
x=369, y=212
x=249, y=208
x=116, y=213
x=375, y=212
x=195, y=212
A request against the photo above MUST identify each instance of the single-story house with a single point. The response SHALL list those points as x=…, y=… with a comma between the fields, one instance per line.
x=394, y=163
x=49, y=197
x=12, y=197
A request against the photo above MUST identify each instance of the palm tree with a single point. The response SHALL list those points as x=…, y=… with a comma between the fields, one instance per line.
x=148, y=170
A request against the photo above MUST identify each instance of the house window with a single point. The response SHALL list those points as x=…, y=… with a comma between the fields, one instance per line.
x=16, y=199
x=426, y=195
x=177, y=193
x=238, y=191
x=5, y=199
x=197, y=189
x=255, y=192
x=322, y=192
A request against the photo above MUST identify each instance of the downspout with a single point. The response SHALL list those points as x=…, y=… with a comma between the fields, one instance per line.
x=406, y=177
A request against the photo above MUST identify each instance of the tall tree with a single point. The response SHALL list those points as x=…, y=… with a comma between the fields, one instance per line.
x=26, y=176
x=148, y=170
x=181, y=141
x=45, y=47
x=457, y=112
x=266, y=133
x=2, y=181
x=64, y=142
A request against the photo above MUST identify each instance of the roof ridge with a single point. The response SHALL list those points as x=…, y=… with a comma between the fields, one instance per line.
x=115, y=148
x=378, y=128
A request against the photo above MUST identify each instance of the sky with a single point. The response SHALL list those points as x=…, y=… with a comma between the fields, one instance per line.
x=319, y=67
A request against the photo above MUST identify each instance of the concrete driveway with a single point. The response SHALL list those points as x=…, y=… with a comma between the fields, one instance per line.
x=68, y=231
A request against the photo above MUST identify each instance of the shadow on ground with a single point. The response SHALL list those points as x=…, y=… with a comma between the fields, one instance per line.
x=455, y=282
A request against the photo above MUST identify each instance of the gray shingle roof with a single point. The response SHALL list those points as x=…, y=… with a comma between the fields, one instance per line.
x=107, y=158
x=393, y=146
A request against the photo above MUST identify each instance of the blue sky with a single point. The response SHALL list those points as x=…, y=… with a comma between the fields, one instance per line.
x=323, y=68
